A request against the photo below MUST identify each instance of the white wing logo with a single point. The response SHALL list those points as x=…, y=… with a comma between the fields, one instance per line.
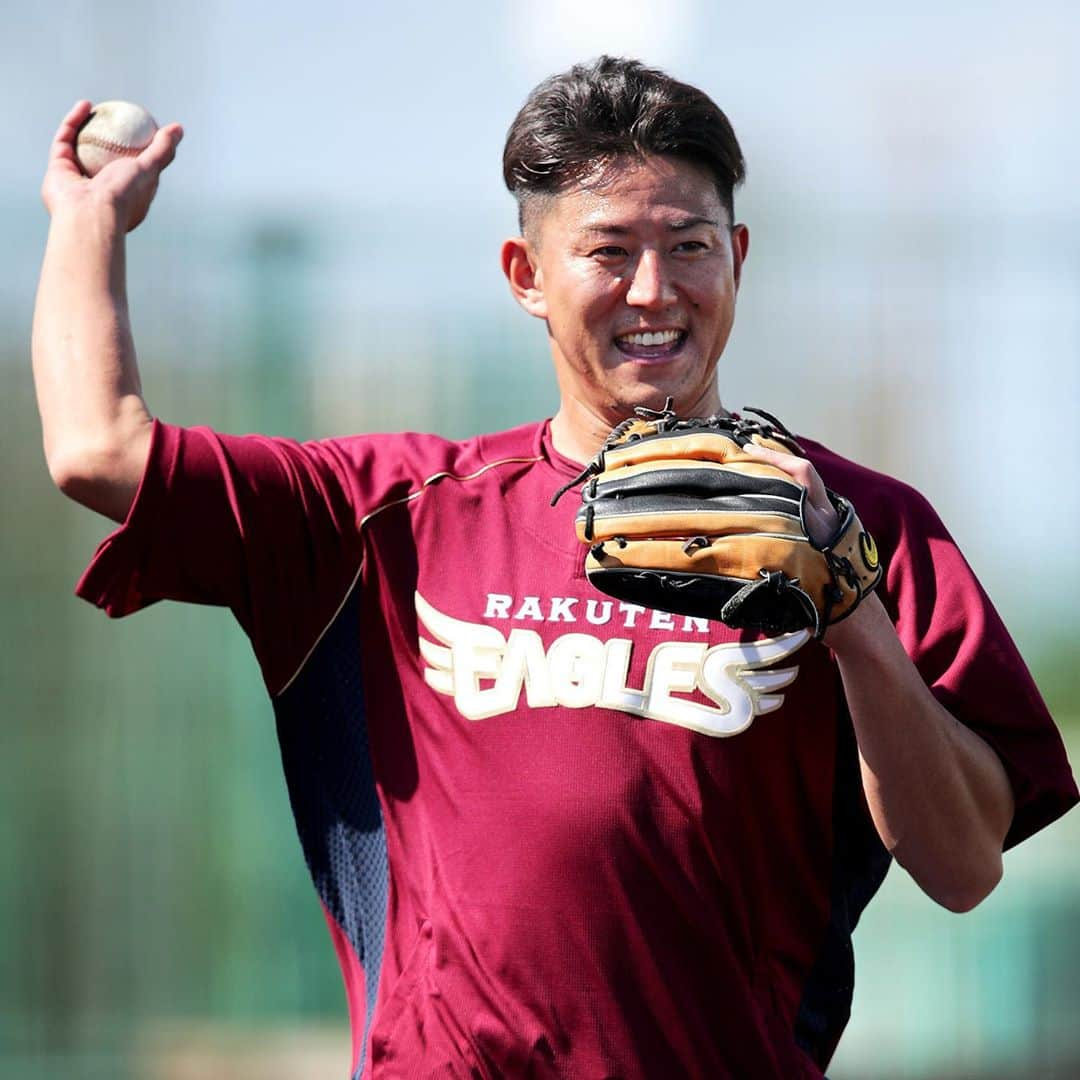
x=485, y=673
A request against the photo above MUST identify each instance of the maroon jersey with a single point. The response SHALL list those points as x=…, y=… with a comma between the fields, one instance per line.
x=556, y=835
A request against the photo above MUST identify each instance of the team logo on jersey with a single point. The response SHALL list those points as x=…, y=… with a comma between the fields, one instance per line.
x=486, y=671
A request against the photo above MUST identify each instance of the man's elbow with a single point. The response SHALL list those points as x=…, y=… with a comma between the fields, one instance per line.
x=68, y=471
x=102, y=479
x=962, y=896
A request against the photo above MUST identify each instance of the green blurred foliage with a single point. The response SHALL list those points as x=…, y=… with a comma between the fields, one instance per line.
x=1058, y=675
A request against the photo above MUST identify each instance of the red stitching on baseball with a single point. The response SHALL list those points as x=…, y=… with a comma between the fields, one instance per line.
x=108, y=144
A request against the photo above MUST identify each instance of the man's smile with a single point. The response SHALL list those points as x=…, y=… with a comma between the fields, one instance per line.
x=652, y=345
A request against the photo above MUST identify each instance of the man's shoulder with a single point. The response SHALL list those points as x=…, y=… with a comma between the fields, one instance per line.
x=875, y=494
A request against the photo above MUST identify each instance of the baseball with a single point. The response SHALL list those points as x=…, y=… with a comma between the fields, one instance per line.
x=114, y=129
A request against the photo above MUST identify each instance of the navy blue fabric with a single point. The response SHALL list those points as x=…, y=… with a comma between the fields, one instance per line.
x=860, y=863
x=322, y=729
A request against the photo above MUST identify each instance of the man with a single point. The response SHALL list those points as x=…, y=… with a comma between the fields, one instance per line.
x=554, y=834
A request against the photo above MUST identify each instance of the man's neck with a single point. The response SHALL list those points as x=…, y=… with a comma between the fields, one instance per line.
x=579, y=430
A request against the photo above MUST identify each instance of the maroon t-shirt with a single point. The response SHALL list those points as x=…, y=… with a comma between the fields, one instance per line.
x=556, y=835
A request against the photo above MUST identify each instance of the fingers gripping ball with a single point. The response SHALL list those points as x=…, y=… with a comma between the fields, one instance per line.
x=677, y=516
x=114, y=129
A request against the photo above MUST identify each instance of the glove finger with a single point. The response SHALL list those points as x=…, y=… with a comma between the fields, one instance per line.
x=682, y=516
x=739, y=556
x=770, y=604
x=702, y=479
x=715, y=446
x=754, y=606
x=681, y=594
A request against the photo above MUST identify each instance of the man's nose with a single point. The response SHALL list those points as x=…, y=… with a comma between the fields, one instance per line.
x=651, y=286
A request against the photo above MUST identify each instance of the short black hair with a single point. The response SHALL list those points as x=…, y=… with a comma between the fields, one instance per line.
x=575, y=122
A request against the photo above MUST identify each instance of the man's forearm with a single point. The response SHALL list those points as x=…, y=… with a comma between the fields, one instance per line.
x=938, y=794
x=95, y=425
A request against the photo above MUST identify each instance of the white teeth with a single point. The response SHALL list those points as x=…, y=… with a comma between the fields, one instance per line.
x=661, y=337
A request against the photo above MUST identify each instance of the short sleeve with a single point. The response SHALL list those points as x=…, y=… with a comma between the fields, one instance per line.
x=966, y=656
x=267, y=527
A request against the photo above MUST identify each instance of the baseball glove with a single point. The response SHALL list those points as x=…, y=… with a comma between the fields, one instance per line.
x=678, y=517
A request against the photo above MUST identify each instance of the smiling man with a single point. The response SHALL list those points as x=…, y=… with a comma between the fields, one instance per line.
x=635, y=271
x=556, y=834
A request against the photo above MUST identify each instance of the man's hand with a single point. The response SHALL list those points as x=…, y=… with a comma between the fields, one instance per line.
x=821, y=519
x=127, y=186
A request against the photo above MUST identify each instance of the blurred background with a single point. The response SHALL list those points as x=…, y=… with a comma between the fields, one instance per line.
x=322, y=259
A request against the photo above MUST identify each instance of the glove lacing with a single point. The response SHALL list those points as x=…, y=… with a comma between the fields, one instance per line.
x=663, y=421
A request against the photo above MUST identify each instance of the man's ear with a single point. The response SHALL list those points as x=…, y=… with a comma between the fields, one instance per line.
x=522, y=270
x=740, y=248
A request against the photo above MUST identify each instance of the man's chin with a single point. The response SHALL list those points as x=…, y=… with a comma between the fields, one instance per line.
x=653, y=393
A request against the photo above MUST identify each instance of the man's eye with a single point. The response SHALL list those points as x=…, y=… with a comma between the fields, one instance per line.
x=610, y=251
x=692, y=245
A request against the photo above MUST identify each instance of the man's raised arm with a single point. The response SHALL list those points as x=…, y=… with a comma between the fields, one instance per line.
x=95, y=424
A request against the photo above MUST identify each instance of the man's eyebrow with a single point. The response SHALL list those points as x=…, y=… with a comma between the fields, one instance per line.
x=690, y=222
x=609, y=228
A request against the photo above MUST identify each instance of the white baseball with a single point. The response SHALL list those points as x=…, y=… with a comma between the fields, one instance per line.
x=114, y=129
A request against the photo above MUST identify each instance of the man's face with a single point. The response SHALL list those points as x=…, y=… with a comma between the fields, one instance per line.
x=635, y=273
